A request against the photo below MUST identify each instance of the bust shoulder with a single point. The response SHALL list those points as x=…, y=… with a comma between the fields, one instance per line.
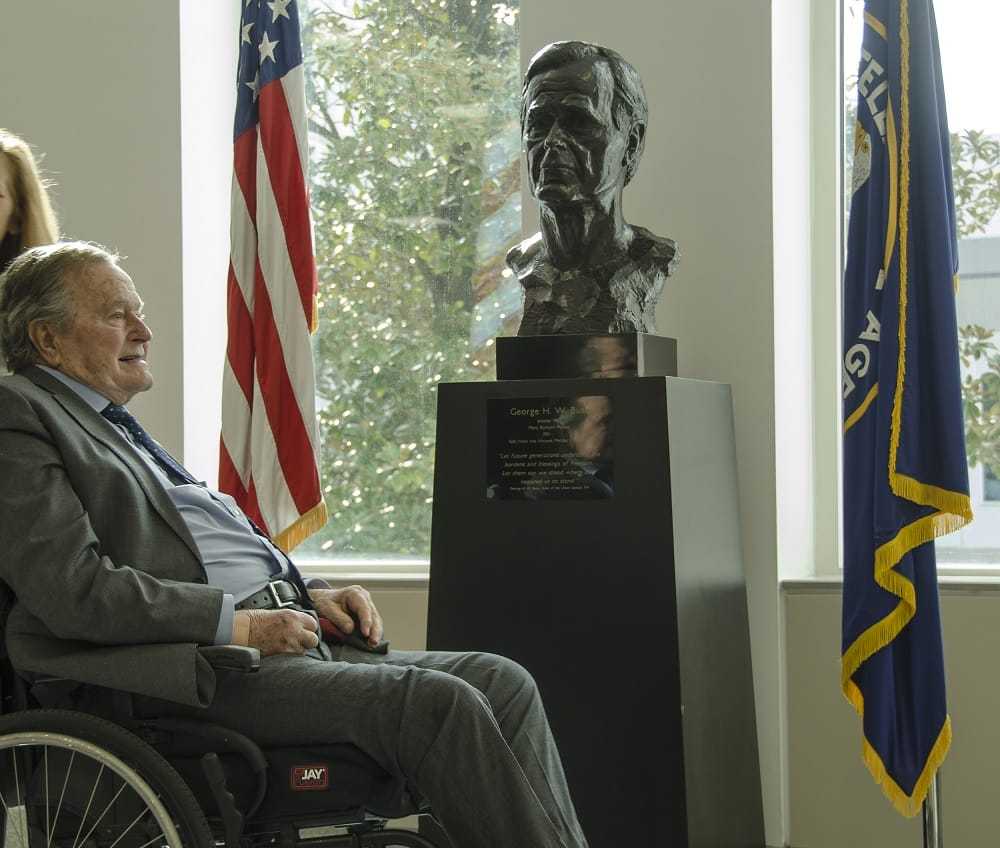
x=659, y=251
x=520, y=256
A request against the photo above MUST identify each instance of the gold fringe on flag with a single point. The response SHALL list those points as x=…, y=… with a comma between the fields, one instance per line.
x=303, y=528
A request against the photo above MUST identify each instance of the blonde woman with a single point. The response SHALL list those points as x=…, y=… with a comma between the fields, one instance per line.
x=26, y=216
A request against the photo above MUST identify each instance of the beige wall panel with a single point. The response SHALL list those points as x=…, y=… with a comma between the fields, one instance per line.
x=833, y=801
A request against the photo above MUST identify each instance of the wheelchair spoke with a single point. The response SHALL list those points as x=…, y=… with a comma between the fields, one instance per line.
x=48, y=830
x=17, y=782
x=157, y=812
x=127, y=829
x=105, y=812
x=22, y=819
x=62, y=794
x=90, y=800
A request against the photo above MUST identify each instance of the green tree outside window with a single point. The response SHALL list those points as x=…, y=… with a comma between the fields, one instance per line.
x=415, y=182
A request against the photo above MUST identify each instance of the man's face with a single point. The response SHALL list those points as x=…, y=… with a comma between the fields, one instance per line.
x=106, y=343
x=575, y=152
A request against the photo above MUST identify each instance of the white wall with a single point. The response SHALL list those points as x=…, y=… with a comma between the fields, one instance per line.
x=93, y=86
x=705, y=180
x=825, y=205
x=833, y=801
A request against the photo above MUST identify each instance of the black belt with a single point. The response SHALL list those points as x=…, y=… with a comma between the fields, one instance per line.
x=275, y=595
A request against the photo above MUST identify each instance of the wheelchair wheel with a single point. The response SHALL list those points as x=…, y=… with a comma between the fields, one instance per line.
x=72, y=780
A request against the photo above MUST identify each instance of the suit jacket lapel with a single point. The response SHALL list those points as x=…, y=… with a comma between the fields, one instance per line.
x=103, y=431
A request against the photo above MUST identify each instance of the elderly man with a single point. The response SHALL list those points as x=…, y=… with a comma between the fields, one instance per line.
x=120, y=565
x=583, y=126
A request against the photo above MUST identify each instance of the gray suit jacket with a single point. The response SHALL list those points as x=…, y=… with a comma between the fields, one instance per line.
x=107, y=584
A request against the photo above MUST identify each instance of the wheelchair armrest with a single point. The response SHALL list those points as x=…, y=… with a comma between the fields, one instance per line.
x=232, y=657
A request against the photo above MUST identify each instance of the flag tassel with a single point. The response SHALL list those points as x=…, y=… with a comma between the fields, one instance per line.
x=908, y=805
x=303, y=528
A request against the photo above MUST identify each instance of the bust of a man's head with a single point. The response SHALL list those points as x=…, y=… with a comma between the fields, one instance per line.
x=583, y=128
x=583, y=123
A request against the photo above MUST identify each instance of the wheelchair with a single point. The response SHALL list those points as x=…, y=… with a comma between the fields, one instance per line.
x=72, y=779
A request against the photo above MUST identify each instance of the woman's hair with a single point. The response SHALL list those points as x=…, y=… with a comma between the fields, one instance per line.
x=32, y=220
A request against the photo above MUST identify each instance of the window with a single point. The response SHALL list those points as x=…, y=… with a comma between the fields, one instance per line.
x=415, y=171
x=991, y=485
x=970, y=66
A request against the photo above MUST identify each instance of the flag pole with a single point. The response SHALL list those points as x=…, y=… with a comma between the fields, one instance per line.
x=933, y=837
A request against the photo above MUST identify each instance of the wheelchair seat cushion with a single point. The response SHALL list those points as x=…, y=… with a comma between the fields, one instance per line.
x=306, y=780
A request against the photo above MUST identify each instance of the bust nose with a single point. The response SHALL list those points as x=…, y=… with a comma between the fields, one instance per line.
x=555, y=137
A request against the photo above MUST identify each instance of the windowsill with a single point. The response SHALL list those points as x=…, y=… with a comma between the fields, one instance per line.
x=415, y=574
x=387, y=573
x=949, y=584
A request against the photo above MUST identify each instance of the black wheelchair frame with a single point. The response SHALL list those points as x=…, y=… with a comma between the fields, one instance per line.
x=64, y=775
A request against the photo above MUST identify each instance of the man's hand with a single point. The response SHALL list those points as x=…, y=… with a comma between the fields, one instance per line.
x=277, y=631
x=337, y=605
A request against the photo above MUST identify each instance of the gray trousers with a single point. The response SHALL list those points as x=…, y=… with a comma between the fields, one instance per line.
x=466, y=731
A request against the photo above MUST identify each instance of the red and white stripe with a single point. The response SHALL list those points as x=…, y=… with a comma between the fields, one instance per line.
x=268, y=458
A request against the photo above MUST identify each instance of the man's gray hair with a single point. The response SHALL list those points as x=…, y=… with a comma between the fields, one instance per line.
x=33, y=288
x=628, y=104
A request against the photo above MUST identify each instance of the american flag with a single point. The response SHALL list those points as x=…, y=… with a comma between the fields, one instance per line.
x=269, y=442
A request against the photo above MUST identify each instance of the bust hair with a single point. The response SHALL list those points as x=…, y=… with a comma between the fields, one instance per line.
x=34, y=288
x=628, y=106
x=32, y=222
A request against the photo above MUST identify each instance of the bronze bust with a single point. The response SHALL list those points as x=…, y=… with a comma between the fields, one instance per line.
x=583, y=127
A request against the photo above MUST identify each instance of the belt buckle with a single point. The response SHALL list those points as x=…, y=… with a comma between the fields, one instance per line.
x=278, y=603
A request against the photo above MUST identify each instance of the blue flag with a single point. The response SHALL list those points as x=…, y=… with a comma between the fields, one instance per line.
x=905, y=470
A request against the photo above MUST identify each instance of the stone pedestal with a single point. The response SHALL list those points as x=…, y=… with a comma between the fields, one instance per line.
x=621, y=590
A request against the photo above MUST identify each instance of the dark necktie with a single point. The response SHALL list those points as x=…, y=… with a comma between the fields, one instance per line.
x=123, y=418
x=179, y=474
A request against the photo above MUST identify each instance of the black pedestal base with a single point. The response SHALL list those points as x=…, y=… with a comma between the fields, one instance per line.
x=629, y=610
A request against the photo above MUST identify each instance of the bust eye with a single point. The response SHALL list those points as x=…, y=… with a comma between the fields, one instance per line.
x=580, y=123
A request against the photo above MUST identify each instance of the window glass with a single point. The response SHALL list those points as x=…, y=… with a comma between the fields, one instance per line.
x=415, y=180
x=991, y=485
x=971, y=66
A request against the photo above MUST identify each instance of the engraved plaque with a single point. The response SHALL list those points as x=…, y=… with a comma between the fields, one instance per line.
x=550, y=448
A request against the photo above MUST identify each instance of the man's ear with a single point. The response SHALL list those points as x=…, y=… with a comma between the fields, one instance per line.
x=43, y=337
x=633, y=150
